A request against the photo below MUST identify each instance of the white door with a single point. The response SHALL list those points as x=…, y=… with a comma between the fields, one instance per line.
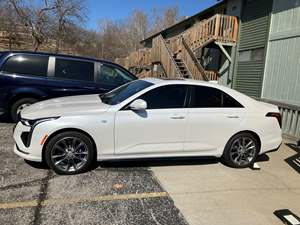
x=158, y=129
x=213, y=118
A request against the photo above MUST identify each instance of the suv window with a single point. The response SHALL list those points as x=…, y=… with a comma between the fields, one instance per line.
x=166, y=97
x=74, y=69
x=113, y=75
x=27, y=64
x=207, y=97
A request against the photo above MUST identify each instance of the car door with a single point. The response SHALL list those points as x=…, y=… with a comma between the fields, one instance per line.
x=213, y=117
x=158, y=129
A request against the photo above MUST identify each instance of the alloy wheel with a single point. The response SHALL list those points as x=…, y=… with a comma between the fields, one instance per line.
x=69, y=154
x=242, y=151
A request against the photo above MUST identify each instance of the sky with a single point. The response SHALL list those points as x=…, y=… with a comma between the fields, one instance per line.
x=120, y=9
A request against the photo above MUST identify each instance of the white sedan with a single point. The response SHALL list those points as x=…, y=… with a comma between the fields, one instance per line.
x=148, y=118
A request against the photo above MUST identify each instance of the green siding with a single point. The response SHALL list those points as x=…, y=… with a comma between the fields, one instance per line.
x=249, y=79
x=254, y=28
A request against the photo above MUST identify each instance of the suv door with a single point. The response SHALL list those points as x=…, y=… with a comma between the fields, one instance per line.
x=159, y=129
x=68, y=76
x=213, y=117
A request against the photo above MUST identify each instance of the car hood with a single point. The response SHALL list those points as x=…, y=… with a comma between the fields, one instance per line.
x=73, y=105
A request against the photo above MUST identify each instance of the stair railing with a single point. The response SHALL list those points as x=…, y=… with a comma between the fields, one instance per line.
x=191, y=62
x=161, y=53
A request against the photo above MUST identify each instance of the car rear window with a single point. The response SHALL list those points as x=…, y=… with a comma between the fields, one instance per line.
x=35, y=65
x=74, y=69
x=208, y=97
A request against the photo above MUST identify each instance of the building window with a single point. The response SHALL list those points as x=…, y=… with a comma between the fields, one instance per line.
x=251, y=55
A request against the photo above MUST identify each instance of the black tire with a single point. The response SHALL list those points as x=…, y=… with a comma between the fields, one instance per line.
x=232, y=150
x=17, y=104
x=66, y=137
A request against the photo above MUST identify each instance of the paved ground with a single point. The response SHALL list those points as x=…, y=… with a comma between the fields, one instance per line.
x=205, y=191
x=217, y=195
x=110, y=194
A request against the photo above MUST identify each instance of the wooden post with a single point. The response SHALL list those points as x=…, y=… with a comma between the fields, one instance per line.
x=217, y=28
x=235, y=29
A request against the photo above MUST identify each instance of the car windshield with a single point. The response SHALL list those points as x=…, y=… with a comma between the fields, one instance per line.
x=123, y=92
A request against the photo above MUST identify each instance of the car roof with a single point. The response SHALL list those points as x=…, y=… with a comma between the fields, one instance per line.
x=61, y=55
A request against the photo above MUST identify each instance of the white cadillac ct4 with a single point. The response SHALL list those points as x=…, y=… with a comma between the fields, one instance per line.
x=148, y=118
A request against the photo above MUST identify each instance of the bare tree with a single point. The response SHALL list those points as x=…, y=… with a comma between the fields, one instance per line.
x=66, y=14
x=163, y=19
x=9, y=26
x=34, y=18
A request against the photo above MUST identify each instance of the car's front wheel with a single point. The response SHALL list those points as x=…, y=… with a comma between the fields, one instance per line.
x=241, y=150
x=69, y=153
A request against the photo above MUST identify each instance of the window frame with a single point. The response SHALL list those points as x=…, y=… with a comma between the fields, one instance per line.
x=186, y=101
x=6, y=58
x=52, y=67
x=192, y=96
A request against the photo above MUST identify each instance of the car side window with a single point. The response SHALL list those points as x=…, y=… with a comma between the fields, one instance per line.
x=74, y=69
x=166, y=97
x=208, y=97
x=36, y=65
x=112, y=75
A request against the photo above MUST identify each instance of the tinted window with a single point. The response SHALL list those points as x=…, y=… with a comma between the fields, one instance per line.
x=125, y=91
x=27, y=64
x=74, y=69
x=207, y=97
x=112, y=75
x=166, y=97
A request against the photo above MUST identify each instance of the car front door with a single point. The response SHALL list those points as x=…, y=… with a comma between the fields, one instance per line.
x=158, y=129
x=213, y=117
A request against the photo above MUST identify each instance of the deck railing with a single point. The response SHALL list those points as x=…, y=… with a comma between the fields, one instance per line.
x=161, y=53
x=219, y=27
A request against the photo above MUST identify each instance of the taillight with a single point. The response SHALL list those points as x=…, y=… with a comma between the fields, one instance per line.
x=276, y=115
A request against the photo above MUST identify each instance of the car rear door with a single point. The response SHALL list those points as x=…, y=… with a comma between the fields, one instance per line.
x=157, y=130
x=70, y=76
x=213, y=117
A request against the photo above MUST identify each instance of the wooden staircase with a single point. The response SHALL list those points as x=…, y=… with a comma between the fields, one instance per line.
x=177, y=54
x=185, y=73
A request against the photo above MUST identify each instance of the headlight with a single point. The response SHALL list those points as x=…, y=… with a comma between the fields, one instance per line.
x=31, y=123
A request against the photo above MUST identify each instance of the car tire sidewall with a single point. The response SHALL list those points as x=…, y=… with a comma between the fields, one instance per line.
x=84, y=138
x=16, y=104
x=226, y=155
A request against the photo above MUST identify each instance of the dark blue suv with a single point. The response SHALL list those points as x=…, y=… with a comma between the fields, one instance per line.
x=28, y=77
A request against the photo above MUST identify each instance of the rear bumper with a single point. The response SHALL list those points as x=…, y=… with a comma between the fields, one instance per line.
x=275, y=149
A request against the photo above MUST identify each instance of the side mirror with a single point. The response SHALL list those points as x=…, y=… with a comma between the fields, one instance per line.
x=138, y=105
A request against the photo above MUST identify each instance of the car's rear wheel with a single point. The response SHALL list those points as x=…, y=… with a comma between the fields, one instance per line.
x=69, y=153
x=241, y=150
x=19, y=105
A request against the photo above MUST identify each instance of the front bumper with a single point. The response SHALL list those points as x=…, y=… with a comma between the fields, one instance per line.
x=26, y=155
x=32, y=152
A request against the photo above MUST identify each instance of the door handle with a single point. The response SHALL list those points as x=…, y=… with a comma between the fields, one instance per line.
x=233, y=116
x=177, y=117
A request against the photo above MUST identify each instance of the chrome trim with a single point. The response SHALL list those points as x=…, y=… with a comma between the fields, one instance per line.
x=51, y=66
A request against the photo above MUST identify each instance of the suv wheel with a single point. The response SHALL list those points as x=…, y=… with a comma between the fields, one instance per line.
x=69, y=153
x=19, y=105
x=241, y=150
